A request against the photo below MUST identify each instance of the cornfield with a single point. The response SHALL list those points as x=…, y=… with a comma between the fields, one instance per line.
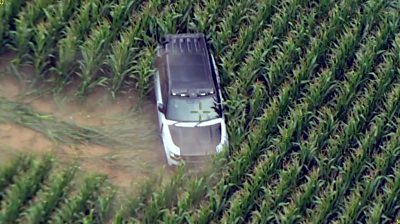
x=312, y=98
x=34, y=190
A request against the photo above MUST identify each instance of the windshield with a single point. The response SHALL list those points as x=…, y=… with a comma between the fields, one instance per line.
x=185, y=109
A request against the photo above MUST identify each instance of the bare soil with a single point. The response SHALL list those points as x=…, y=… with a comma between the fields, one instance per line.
x=125, y=167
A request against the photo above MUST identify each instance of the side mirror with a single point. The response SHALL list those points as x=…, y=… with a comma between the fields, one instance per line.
x=160, y=107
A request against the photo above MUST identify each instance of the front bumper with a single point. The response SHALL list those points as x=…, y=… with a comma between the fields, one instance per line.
x=174, y=160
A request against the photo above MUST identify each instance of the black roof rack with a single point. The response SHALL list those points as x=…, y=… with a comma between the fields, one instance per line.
x=188, y=65
x=185, y=44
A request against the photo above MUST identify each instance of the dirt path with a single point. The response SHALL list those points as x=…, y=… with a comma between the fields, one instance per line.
x=125, y=167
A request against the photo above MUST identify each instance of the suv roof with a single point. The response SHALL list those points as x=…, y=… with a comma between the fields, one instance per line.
x=188, y=65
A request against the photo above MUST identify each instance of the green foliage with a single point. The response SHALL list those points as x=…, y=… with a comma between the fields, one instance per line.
x=25, y=189
x=78, y=205
x=312, y=103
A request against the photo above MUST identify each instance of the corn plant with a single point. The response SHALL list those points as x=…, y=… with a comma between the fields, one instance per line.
x=98, y=209
x=137, y=204
x=269, y=206
x=166, y=198
x=124, y=52
x=299, y=202
x=244, y=202
x=47, y=34
x=167, y=22
x=391, y=202
x=363, y=191
x=121, y=61
x=92, y=55
x=390, y=150
x=255, y=58
x=285, y=60
x=354, y=122
x=8, y=11
x=192, y=196
x=76, y=206
x=275, y=196
x=205, y=15
x=385, y=161
x=247, y=34
x=283, y=63
x=51, y=197
x=365, y=60
x=174, y=18
x=375, y=212
x=279, y=25
x=75, y=32
x=312, y=91
x=235, y=106
x=118, y=217
x=316, y=93
x=305, y=70
x=102, y=205
x=9, y=173
x=235, y=15
x=385, y=202
x=186, y=9
x=25, y=22
x=351, y=172
x=95, y=47
x=24, y=189
x=120, y=14
x=143, y=71
x=89, y=219
x=40, y=50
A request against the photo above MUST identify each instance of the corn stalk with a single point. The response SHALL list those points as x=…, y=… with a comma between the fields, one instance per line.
x=75, y=33
x=51, y=197
x=25, y=24
x=206, y=14
x=95, y=47
x=24, y=189
x=100, y=209
x=76, y=206
x=240, y=166
x=10, y=172
x=280, y=65
x=356, y=122
x=124, y=52
x=8, y=12
x=47, y=34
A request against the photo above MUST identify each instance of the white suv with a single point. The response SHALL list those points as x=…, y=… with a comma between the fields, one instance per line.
x=189, y=99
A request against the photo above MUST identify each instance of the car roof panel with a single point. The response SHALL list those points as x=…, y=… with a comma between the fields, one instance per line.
x=188, y=65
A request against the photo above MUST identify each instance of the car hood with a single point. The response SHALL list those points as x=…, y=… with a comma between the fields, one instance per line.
x=196, y=141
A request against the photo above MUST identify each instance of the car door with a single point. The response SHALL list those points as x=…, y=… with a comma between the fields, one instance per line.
x=160, y=82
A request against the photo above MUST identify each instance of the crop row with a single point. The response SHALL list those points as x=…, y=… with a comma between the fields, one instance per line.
x=248, y=154
x=312, y=93
x=290, y=164
x=34, y=190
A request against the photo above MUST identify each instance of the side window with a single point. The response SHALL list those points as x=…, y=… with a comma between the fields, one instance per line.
x=164, y=86
x=163, y=79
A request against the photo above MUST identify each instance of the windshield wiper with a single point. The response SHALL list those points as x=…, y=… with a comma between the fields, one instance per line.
x=198, y=123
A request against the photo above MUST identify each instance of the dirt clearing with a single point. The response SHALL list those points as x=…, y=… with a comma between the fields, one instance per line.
x=125, y=166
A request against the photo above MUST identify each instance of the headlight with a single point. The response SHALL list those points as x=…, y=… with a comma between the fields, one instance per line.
x=175, y=156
